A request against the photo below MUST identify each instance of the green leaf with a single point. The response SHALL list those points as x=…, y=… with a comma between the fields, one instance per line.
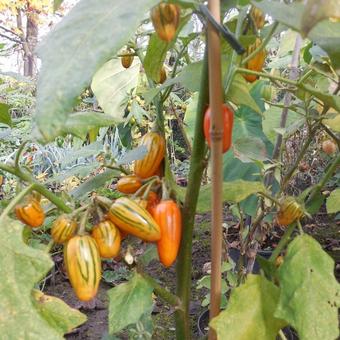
x=57, y=313
x=333, y=122
x=5, y=116
x=239, y=94
x=333, y=200
x=155, y=56
x=329, y=99
x=156, y=53
x=137, y=153
x=75, y=49
x=190, y=115
x=189, y=77
x=310, y=293
x=79, y=124
x=21, y=267
x=235, y=191
x=271, y=121
x=149, y=254
x=316, y=11
x=246, y=124
x=248, y=149
x=326, y=33
x=128, y=302
x=111, y=83
x=250, y=320
x=94, y=183
x=56, y=4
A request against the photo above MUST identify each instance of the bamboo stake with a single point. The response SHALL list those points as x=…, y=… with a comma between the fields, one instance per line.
x=216, y=132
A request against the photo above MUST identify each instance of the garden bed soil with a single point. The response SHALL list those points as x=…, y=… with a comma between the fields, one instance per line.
x=97, y=325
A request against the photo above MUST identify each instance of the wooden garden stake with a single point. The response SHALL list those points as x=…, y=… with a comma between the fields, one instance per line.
x=216, y=132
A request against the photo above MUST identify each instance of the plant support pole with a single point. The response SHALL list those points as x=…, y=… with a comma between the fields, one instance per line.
x=216, y=132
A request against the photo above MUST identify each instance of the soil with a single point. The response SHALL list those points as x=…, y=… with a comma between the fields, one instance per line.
x=97, y=325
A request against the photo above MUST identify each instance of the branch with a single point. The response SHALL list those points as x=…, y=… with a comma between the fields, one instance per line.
x=163, y=293
x=10, y=38
x=10, y=31
x=25, y=176
x=324, y=180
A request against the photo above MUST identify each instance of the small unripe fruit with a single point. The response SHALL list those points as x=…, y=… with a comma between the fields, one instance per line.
x=329, y=147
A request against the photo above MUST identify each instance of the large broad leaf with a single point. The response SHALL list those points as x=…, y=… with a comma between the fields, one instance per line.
x=249, y=314
x=57, y=313
x=80, y=124
x=128, y=302
x=248, y=149
x=94, y=183
x=331, y=100
x=247, y=124
x=189, y=77
x=21, y=267
x=190, y=115
x=310, y=294
x=137, y=153
x=333, y=122
x=111, y=84
x=235, y=192
x=333, y=200
x=84, y=40
x=271, y=122
x=316, y=11
x=5, y=116
x=155, y=56
x=239, y=94
x=325, y=33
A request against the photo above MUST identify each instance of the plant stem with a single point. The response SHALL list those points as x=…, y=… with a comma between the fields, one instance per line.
x=16, y=200
x=25, y=176
x=262, y=45
x=19, y=152
x=163, y=293
x=197, y=165
x=269, y=76
x=284, y=240
x=299, y=158
x=325, y=179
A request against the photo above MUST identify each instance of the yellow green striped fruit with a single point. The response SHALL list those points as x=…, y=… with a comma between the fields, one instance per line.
x=107, y=237
x=129, y=216
x=83, y=266
x=290, y=211
x=63, y=229
x=149, y=165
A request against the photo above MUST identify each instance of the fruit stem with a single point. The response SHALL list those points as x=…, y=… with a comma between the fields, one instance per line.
x=161, y=292
x=261, y=46
x=82, y=225
x=284, y=240
x=18, y=154
x=25, y=176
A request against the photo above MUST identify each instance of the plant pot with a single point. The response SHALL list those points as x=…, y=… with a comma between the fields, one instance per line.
x=235, y=255
x=203, y=323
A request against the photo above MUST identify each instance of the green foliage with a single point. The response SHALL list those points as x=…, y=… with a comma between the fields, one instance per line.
x=83, y=52
x=333, y=201
x=128, y=302
x=310, y=294
x=235, y=191
x=21, y=268
x=110, y=85
x=250, y=312
x=5, y=117
x=57, y=313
